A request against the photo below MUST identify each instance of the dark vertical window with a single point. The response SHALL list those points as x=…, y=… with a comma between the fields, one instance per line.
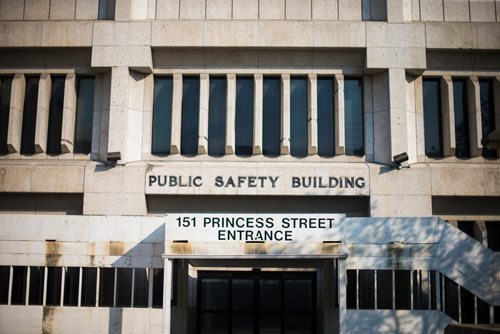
x=106, y=286
x=487, y=113
x=89, y=285
x=483, y=312
x=71, y=282
x=351, y=289
x=496, y=315
x=157, y=288
x=4, y=284
x=5, y=87
x=402, y=289
x=190, y=115
x=36, y=285
x=451, y=300
x=29, y=115
x=420, y=291
x=162, y=116
x=19, y=278
x=54, y=279
x=271, y=127
x=461, y=121
x=141, y=286
x=244, y=116
x=432, y=118
x=55, y=115
x=326, y=118
x=298, y=117
x=467, y=306
x=493, y=234
x=217, y=116
x=353, y=101
x=433, y=287
x=106, y=10
x=367, y=289
x=84, y=114
x=124, y=287
x=384, y=289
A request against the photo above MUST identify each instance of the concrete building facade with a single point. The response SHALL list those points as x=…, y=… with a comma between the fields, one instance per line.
x=249, y=166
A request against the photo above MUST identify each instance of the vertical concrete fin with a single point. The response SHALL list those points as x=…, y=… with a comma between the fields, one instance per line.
x=285, y=114
x=339, y=115
x=448, y=116
x=257, y=116
x=16, y=113
x=175, y=144
x=203, y=126
x=474, y=116
x=147, y=122
x=118, y=111
x=69, y=114
x=231, y=114
x=104, y=117
x=312, y=113
x=96, y=120
x=42, y=113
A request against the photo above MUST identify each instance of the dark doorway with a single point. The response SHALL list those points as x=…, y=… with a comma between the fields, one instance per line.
x=256, y=302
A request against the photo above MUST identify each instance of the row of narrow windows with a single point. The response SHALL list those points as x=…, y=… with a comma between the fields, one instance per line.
x=417, y=290
x=272, y=99
x=85, y=86
x=434, y=122
x=81, y=286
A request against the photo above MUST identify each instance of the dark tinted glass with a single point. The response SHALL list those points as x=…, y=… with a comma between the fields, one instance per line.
x=54, y=280
x=141, y=286
x=162, y=116
x=270, y=294
x=402, y=289
x=243, y=294
x=84, y=114
x=29, y=115
x=4, y=284
x=19, y=276
x=451, y=300
x=353, y=100
x=467, y=306
x=215, y=293
x=351, y=289
x=298, y=295
x=5, y=87
x=106, y=286
x=384, y=289
x=326, y=118
x=106, y=10
x=124, y=287
x=298, y=117
x=71, y=282
x=461, y=121
x=36, y=285
x=217, y=117
x=487, y=113
x=483, y=312
x=432, y=118
x=190, y=115
x=244, y=116
x=420, y=291
x=271, y=128
x=55, y=115
x=214, y=323
x=89, y=284
x=157, y=287
x=367, y=289
x=493, y=233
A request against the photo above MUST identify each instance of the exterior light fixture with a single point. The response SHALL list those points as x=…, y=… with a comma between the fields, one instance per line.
x=113, y=157
x=398, y=159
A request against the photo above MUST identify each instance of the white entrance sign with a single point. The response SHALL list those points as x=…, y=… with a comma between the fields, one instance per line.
x=199, y=228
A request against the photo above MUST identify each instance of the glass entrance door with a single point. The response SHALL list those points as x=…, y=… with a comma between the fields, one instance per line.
x=256, y=302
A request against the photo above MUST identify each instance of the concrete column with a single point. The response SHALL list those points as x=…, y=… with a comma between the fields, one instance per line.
x=381, y=118
x=312, y=114
x=339, y=115
x=42, y=113
x=257, y=115
x=147, y=125
x=411, y=119
x=474, y=116
x=104, y=116
x=368, y=120
x=342, y=286
x=398, y=139
x=175, y=143
x=448, y=116
x=419, y=118
x=203, y=125
x=16, y=113
x=167, y=296
x=96, y=121
x=399, y=11
x=285, y=114
x=118, y=111
x=231, y=114
x=69, y=114
x=135, y=117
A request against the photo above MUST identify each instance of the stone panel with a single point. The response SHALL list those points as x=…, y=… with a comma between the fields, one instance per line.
x=62, y=9
x=492, y=176
x=87, y=9
x=289, y=34
x=272, y=10
x=67, y=34
x=57, y=179
x=167, y=33
x=410, y=58
x=488, y=35
x=350, y=10
x=130, y=204
x=11, y=10
x=167, y=9
x=325, y=10
x=15, y=178
x=219, y=9
x=121, y=33
x=456, y=10
x=395, y=35
x=400, y=205
x=339, y=34
x=36, y=9
x=130, y=56
x=298, y=9
x=245, y=9
x=230, y=33
x=482, y=11
x=20, y=34
x=458, y=181
x=431, y=10
x=192, y=9
x=451, y=36
x=411, y=181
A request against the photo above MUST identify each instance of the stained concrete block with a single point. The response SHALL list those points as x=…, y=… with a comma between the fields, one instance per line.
x=488, y=36
x=325, y=10
x=231, y=34
x=130, y=204
x=42, y=113
x=86, y=9
x=454, y=181
x=431, y=10
x=192, y=9
x=289, y=34
x=62, y=9
x=395, y=35
x=16, y=113
x=339, y=34
x=482, y=11
x=400, y=205
x=167, y=9
x=245, y=9
x=493, y=185
x=16, y=34
x=36, y=9
x=272, y=10
x=69, y=111
x=69, y=34
x=411, y=58
x=121, y=33
x=219, y=9
x=130, y=56
x=451, y=36
x=456, y=10
x=350, y=10
x=298, y=9
x=412, y=181
x=11, y=10
x=167, y=33
x=100, y=179
x=15, y=178
x=57, y=179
